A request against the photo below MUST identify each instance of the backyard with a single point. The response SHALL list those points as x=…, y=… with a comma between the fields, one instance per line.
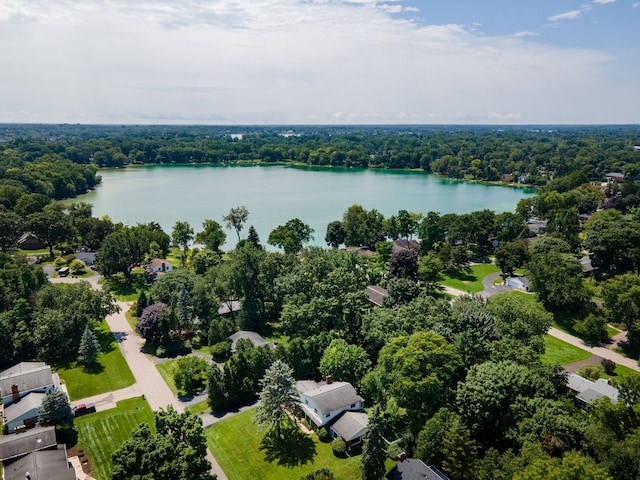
x=470, y=282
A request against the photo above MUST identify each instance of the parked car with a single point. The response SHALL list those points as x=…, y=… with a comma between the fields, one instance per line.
x=84, y=409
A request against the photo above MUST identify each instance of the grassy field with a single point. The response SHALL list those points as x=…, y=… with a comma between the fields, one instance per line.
x=123, y=291
x=111, y=373
x=244, y=460
x=471, y=282
x=166, y=371
x=102, y=433
x=198, y=408
x=620, y=371
x=526, y=297
x=557, y=351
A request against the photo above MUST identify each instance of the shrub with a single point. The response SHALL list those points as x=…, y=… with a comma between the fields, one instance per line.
x=323, y=434
x=608, y=365
x=69, y=258
x=59, y=262
x=339, y=447
x=76, y=266
x=220, y=349
x=190, y=374
x=590, y=372
x=322, y=474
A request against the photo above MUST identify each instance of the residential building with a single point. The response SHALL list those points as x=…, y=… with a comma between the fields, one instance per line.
x=26, y=377
x=587, y=391
x=321, y=403
x=23, y=413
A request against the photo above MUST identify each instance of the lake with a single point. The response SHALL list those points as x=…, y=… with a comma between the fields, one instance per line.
x=275, y=194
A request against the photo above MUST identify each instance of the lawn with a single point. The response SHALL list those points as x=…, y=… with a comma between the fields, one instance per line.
x=471, y=282
x=526, y=297
x=102, y=433
x=557, y=351
x=111, y=373
x=166, y=371
x=201, y=407
x=121, y=289
x=620, y=371
x=245, y=460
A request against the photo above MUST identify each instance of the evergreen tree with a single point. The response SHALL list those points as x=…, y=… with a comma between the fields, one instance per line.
x=141, y=304
x=278, y=397
x=89, y=347
x=55, y=410
x=374, y=447
x=253, y=238
x=183, y=307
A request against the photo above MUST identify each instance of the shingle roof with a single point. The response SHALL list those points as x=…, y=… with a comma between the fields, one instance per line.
x=376, y=294
x=224, y=309
x=351, y=425
x=333, y=396
x=588, y=391
x=26, y=403
x=413, y=469
x=255, y=338
x=18, y=444
x=27, y=376
x=43, y=465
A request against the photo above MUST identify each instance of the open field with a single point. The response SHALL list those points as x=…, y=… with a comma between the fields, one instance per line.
x=102, y=433
x=166, y=370
x=111, y=373
x=248, y=461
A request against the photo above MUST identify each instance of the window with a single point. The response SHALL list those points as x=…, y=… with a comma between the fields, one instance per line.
x=315, y=410
x=353, y=405
x=328, y=415
x=306, y=401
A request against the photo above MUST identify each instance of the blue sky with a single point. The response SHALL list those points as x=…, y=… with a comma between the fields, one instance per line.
x=320, y=61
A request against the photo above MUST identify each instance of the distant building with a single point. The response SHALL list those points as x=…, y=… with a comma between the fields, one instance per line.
x=519, y=282
x=587, y=391
x=26, y=377
x=255, y=338
x=157, y=267
x=376, y=295
x=414, y=469
x=614, y=177
x=404, y=244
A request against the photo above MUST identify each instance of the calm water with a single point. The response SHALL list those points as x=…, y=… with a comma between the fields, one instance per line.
x=275, y=194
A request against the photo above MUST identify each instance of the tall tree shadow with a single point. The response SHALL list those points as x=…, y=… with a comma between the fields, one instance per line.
x=293, y=448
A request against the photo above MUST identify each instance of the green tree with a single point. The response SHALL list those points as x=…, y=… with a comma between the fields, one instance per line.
x=322, y=474
x=573, y=466
x=278, y=398
x=178, y=449
x=52, y=225
x=374, y=447
x=557, y=279
x=55, y=410
x=236, y=219
x=11, y=228
x=253, y=238
x=212, y=236
x=622, y=303
x=335, y=235
x=141, y=304
x=346, y=363
x=291, y=236
x=182, y=236
x=89, y=348
x=77, y=267
x=119, y=251
x=190, y=374
x=430, y=270
x=510, y=256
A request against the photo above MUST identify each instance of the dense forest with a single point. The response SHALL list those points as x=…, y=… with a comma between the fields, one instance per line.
x=531, y=155
x=459, y=383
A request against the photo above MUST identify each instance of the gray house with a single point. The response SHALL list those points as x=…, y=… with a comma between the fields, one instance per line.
x=350, y=427
x=24, y=413
x=16, y=446
x=41, y=465
x=26, y=377
x=255, y=338
x=321, y=403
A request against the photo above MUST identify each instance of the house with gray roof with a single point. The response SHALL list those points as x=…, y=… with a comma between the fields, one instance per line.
x=24, y=413
x=587, y=391
x=41, y=465
x=350, y=426
x=414, y=469
x=321, y=403
x=19, y=445
x=254, y=337
x=376, y=295
x=520, y=282
x=26, y=377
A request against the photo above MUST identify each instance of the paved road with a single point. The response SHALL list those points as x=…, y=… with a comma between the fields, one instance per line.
x=149, y=382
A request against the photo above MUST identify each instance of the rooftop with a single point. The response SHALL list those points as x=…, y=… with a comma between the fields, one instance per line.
x=255, y=338
x=588, y=391
x=18, y=444
x=376, y=294
x=42, y=465
x=329, y=397
x=26, y=403
x=351, y=425
x=413, y=469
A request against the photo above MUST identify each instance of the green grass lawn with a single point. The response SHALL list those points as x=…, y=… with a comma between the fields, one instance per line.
x=131, y=318
x=526, y=297
x=620, y=371
x=198, y=408
x=244, y=460
x=166, y=370
x=121, y=289
x=557, y=351
x=112, y=373
x=102, y=433
x=471, y=282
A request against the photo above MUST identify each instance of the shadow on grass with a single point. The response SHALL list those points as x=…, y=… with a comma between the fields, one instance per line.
x=292, y=449
x=628, y=350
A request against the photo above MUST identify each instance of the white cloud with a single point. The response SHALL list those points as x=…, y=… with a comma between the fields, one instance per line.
x=603, y=2
x=571, y=15
x=284, y=61
x=524, y=33
x=636, y=5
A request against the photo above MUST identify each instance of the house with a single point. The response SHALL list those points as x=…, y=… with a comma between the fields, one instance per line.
x=229, y=307
x=321, y=403
x=376, y=295
x=586, y=264
x=350, y=427
x=89, y=258
x=587, y=391
x=364, y=251
x=157, y=267
x=26, y=377
x=15, y=446
x=255, y=338
x=414, y=469
x=537, y=227
x=28, y=241
x=520, y=282
x=41, y=465
x=404, y=244
x=24, y=413
x=614, y=177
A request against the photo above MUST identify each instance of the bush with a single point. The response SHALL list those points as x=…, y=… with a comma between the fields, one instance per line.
x=394, y=450
x=220, y=349
x=608, y=365
x=339, y=447
x=589, y=372
x=190, y=374
x=77, y=267
x=69, y=258
x=322, y=474
x=323, y=434
x=59, y=262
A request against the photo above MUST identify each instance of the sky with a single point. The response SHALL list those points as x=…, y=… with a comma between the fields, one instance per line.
x=320, y=61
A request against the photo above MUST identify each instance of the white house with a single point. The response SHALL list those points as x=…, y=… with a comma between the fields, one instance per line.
x=158, y=267
x=26, y=377
x=587, y=391
x=350, y=426
x=323, y=402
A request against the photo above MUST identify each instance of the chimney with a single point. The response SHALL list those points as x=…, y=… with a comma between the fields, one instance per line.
x=329, y=379
x=15, y=393
x=163, y=267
